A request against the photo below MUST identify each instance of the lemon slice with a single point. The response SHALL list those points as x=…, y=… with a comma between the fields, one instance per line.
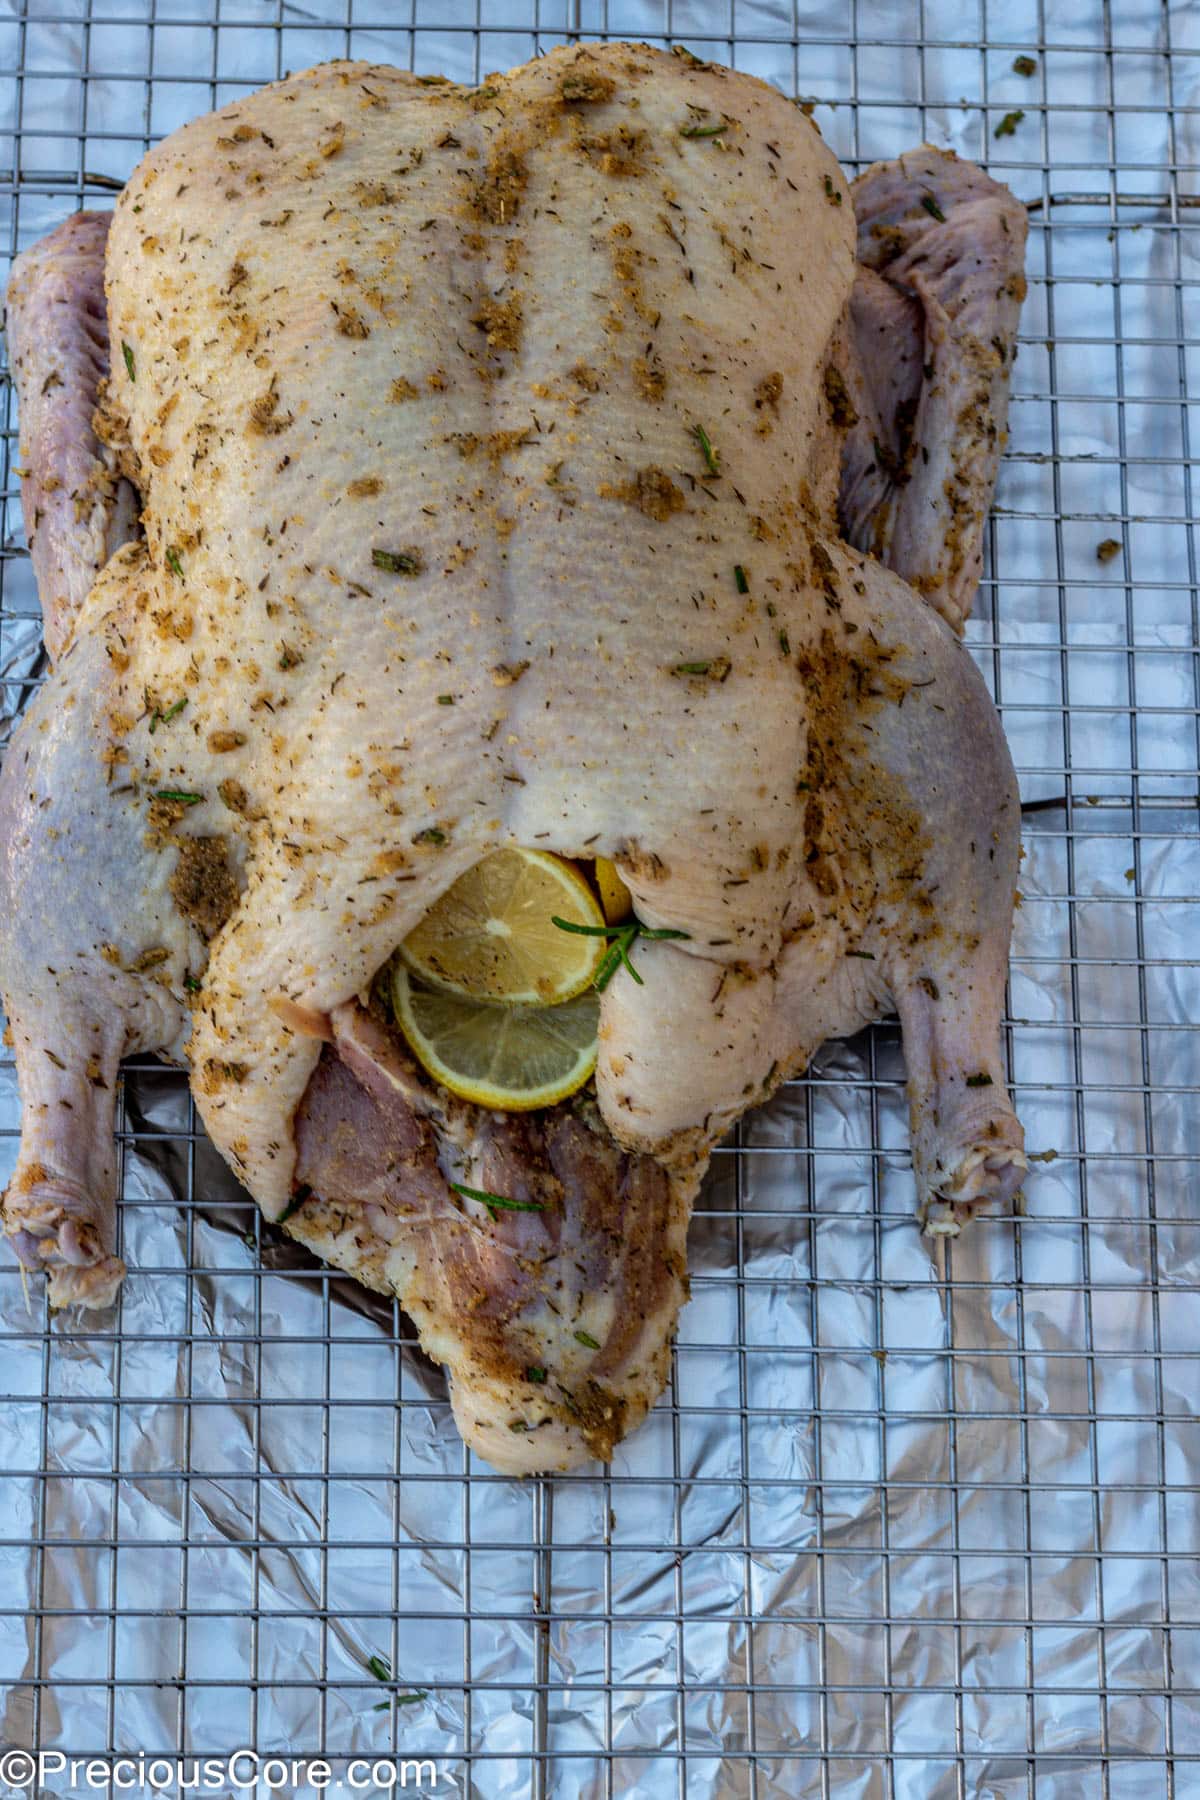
x=513, y=1058
x=492, y=937
x=615, y=897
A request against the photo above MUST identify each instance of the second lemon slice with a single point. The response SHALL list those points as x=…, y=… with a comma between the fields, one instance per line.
x=492, y=937
x=512, y=1058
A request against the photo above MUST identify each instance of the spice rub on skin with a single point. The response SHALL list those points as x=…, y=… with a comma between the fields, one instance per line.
x=490, y=278
x=589, y=304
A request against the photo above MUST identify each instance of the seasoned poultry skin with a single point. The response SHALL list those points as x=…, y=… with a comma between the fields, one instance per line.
x=490, y=446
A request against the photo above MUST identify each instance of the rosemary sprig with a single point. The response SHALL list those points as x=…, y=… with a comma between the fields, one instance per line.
x=706, y=450
x=496, y=1203
x=621, y=941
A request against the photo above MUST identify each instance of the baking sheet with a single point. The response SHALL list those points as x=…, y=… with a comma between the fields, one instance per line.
x=900, y=1527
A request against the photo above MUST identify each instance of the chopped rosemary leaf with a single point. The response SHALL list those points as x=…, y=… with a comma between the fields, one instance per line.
x=496, y=1202
x=587, y=1340
x=703, y=131
x=430, y=835
x=130, y=369
x=380, y=1667
x=180, y=795
x=831, y=193
x=1008, y=124
x=714, y=668
x=739, y=579
x=785, y=643
x=980, y=1080
x=173, y=563
x=164, y=718
x=538, y=1375
x=191, y=984
x=293, y=1206
x=398, y=562
x=445, y=699
x=706, y=450
x=863, y=955
x=933, y=209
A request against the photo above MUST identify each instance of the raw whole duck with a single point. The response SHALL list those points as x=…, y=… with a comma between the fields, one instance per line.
x=575, y=461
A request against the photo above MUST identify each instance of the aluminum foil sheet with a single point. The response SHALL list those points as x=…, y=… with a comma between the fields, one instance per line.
x=906, y=1526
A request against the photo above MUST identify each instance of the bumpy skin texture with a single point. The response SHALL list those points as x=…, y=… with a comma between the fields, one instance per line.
x=437, y=559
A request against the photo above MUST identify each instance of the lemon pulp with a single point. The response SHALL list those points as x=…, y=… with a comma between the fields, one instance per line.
x=615, y=897
x=512, y=1057
x=492, y=935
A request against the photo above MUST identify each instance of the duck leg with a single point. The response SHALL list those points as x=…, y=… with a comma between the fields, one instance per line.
x=916, y=841
x=92, y=950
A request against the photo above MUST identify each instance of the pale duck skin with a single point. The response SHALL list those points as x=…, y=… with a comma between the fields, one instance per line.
x=409, y=380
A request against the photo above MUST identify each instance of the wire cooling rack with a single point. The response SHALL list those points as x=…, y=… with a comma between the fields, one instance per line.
x=900, y=1527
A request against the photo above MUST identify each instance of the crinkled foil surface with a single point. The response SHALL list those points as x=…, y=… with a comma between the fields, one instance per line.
x=905, y=1526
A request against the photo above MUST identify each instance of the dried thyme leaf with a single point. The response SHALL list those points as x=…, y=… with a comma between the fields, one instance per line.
x=1025, y=65
x=715, y=668
x=399, y=562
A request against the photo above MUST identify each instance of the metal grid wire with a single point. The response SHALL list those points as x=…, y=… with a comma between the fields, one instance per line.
x=897, y=1528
